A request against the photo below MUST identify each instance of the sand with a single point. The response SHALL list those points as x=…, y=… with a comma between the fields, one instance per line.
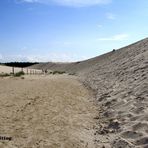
x=8, y=70
x=119, y=80
x=46, y=112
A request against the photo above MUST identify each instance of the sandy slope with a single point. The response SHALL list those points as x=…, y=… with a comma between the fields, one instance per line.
x=46, y=112
x=120, y=80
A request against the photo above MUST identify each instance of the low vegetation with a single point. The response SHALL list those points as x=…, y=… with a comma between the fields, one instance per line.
x=57, y=72
x=18, y=74
x=72, y=73
x=4, y=75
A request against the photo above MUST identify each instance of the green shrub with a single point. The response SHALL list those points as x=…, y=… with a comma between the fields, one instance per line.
x=18, y=74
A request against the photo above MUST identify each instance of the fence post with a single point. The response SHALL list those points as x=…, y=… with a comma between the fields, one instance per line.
x=13, y=70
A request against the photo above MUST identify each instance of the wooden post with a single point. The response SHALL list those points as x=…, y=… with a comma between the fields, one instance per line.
x=13, y=70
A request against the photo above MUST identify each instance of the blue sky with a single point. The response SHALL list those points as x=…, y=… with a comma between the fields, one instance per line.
x=68, y=30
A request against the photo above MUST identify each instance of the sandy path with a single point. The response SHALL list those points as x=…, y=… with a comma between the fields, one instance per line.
x=46, y=111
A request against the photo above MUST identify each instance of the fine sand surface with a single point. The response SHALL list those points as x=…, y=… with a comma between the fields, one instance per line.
x=46, y=112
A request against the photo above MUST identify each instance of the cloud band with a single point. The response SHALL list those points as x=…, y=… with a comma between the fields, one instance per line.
x=71, y=3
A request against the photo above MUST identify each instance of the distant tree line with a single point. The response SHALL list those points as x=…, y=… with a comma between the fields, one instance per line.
x=19, y=64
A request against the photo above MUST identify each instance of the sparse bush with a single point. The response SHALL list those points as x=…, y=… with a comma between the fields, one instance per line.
x=58, y=72
x=72, y=74
x=18, y=74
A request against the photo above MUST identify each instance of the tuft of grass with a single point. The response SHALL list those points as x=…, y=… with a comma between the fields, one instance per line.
x=18, y=74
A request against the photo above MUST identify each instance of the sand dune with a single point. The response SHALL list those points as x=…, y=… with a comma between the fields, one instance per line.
x=57, y=111
x=120, y=82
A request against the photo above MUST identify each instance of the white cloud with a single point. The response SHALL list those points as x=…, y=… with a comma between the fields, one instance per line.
x=110, y=16
x=118, y=37
x=28, y=1
x=72, y=3
x=54, y=57
x=13, y=58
